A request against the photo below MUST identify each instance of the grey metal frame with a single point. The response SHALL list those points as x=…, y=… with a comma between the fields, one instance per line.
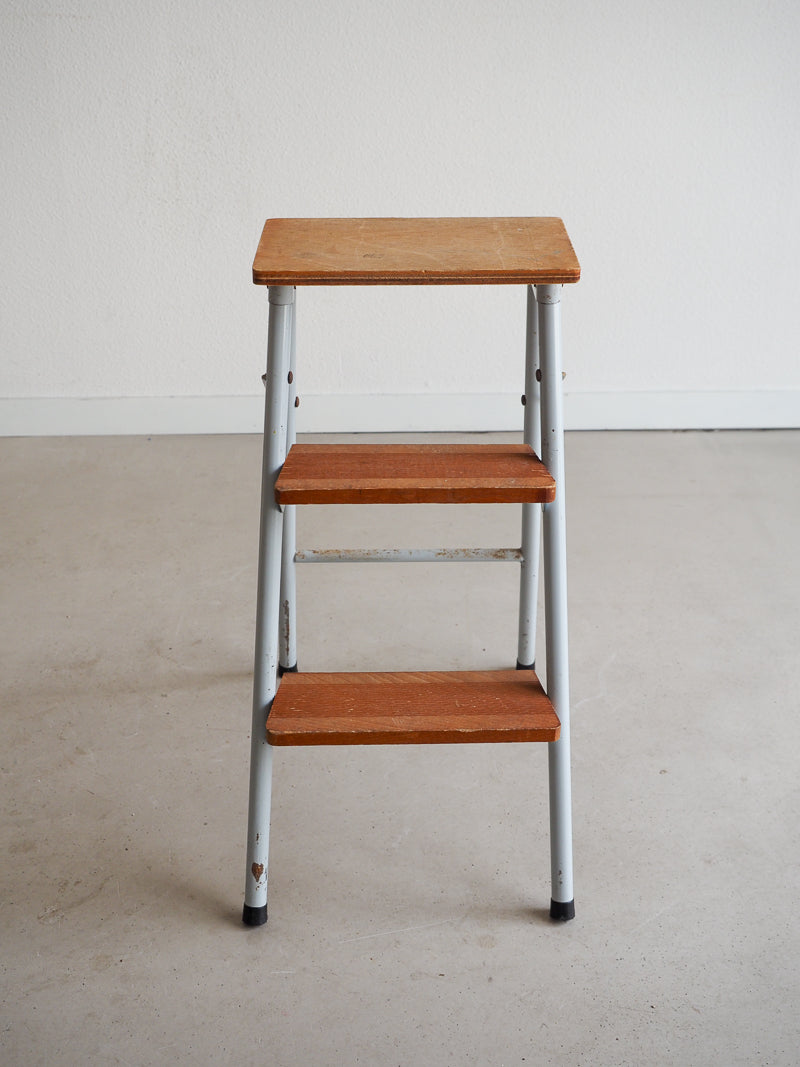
x=562, y=904
x=268, y=600
x=288, y=640
x=276, y=648
x=531, y=513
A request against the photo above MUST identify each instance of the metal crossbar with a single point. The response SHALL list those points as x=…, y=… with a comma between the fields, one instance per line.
x=408, y=555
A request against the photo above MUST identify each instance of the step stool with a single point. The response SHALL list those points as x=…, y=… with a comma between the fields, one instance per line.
x=441, y=707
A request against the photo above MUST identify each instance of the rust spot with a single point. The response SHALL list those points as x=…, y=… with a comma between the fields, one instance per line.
x=499, y=554
x=258, y=870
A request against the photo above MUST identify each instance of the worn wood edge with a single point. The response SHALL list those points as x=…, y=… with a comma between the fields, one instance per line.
x=297, y=278
x=341, y=739
x=284, y=737
x=437, y=494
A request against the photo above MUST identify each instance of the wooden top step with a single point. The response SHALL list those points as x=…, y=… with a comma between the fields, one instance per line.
x=443, y=251
x=413, y=474
x=411, y=708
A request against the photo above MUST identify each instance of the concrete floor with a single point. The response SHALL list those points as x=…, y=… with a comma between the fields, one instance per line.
x=408, y=887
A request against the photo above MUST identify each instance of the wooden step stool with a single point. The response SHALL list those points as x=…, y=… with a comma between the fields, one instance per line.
x=292, y=708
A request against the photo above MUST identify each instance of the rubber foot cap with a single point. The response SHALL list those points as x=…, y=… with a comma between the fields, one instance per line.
x=254, y=916
x=562, y=910
x=286, y=670
x=526, y=666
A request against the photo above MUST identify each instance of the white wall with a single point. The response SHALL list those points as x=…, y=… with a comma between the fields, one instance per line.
x=145, y=142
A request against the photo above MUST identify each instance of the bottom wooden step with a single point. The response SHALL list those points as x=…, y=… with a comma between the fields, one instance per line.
x=441, y=707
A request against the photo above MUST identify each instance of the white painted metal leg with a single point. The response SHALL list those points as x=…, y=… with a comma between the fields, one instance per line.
x=531, y=513
x=288, y=638
x=265, y=676
x=562, y=904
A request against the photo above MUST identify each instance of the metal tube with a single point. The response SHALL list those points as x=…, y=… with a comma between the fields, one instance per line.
x=555, y=582
x=531, y=513
x=265, y=673
x=408, y=555
x=288, y=627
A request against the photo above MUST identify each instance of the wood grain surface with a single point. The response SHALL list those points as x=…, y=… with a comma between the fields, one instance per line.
x=413, y=474
x=440, y=707
x=439, y=251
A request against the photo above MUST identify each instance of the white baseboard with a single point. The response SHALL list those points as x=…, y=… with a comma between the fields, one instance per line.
x=70, y=416
x=761, y=409
x=343, y=413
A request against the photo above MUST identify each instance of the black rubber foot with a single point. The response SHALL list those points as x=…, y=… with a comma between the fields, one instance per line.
x=562, y=910
x=254, y=916
x=526, y=666
x=286, y=670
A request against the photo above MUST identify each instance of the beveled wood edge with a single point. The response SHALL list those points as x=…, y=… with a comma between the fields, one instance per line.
x=420, y=494
x=296, y=278
x=361, y=739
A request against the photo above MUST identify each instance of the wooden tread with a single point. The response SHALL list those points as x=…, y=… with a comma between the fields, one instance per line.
x=411, y=708
x=413, y=474
x=443, y=251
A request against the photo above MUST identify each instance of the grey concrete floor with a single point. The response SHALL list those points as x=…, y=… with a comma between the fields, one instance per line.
x=409, y=886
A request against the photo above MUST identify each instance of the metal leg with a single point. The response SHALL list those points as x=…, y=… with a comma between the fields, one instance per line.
x=265, y=676
x=531, y=513
x=562, y=905
x=288, y=630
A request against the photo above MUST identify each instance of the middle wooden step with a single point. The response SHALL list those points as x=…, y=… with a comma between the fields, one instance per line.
x=414, y=474
x=427, y=707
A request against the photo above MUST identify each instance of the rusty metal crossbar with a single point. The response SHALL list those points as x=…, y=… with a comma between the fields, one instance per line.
x=408, y=555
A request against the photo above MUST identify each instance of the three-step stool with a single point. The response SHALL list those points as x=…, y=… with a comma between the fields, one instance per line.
x=441, y=707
